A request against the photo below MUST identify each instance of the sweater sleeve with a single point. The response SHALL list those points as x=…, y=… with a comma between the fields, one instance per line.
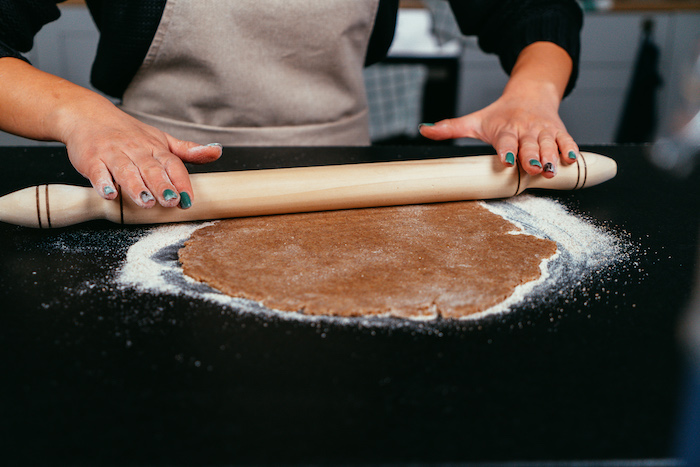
x=506, y=27
x=20, y=20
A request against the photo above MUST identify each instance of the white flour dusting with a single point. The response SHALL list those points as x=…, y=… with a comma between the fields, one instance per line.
x=584, y=249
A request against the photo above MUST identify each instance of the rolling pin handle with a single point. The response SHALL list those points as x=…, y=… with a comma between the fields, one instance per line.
x=22, y=207
x=68, y=205
x=596, y=169
x=50, y=206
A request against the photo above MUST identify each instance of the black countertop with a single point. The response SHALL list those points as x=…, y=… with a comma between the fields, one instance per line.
x=95, y=374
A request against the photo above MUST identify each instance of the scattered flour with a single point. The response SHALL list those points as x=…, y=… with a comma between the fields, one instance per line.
x=584, y=249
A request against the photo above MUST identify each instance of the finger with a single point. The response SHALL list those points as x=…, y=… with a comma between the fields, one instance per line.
x=549, y=153
x=180, y=178
x=156, y=178
x=529, y=156
x=128, y=176
x=451, y=128
x=506, y=145
x=193, y=152
x=101, y=181
x=568, y=149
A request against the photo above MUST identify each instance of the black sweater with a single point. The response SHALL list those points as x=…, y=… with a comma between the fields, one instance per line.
x=127, y=27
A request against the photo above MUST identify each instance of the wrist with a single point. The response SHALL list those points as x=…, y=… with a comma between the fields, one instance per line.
x=78, y=108
x=533, y=92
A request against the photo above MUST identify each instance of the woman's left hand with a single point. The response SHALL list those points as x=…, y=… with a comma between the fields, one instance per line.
x=524, y=123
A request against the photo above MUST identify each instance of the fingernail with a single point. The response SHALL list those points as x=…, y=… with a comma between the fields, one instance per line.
x=510, y=158
x=535, y=163
x=108, y=190
x=549, y=167
x=572, y=155
x=205, y=146
x=425, y=124
x=185, y=201
x=169, y=195
x=146, y=197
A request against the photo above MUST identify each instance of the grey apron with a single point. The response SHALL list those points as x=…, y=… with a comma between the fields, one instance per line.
x=257, y=72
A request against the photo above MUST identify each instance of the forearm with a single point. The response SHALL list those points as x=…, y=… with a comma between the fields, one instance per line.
x=541, y=72
x=42, y=106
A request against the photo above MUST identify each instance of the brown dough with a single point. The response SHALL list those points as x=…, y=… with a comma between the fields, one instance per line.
x=453, y=258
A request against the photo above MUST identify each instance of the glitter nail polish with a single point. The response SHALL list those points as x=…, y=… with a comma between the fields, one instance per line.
x=146, y=197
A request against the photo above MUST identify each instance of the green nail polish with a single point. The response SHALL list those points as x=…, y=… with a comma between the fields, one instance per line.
x=108, y=190
x=426, y=124
x=169, y=195
x=185, y=201
x=510, y=158
x=572, y=155
x=535, y=163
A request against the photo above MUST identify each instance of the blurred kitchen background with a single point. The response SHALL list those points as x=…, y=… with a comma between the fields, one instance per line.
x=433, y=74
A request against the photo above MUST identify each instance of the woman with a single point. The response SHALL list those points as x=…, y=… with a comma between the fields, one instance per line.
x=267, y=72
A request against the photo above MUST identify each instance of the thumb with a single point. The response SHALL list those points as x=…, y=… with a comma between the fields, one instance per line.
x=193, y=152
x=451, y=128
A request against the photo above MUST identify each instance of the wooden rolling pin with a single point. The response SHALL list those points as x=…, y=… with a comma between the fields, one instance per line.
x=304, y=189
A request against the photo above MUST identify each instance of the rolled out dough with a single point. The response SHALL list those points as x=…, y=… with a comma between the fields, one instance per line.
x=453, y=259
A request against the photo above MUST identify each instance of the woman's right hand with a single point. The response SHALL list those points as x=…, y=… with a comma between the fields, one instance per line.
x=111, y=148
x=106, y=145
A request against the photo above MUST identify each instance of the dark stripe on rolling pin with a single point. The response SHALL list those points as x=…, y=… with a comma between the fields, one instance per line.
x=578, y=172
x=48, y=212
x=517, y=189
x=121, y=205
x=585, y=172
x=38, y=207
